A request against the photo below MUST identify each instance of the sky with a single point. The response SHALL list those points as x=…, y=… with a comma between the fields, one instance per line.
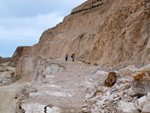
x=22, y=22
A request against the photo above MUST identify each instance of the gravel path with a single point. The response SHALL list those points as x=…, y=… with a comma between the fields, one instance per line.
x=60, y=92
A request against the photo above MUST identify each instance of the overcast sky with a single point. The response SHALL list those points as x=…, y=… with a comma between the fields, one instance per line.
x=23, y=21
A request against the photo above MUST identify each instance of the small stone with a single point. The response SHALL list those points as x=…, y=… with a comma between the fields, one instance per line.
x=125, y=96
x=84, y=110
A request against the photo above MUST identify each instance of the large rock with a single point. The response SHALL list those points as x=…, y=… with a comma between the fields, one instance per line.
x=128, y=71
x=111, y=79
x=141, y=88
x=141, y=82
x=146, y=108
x=141, y=102
x=99, y=77
x=125, y=107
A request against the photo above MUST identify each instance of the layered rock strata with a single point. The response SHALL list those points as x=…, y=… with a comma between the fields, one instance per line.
x=114, y=34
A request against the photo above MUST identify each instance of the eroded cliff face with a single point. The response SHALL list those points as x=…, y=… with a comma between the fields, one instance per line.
x=115, y=33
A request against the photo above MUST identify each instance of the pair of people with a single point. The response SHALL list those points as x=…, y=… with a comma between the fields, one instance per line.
x=72, y=57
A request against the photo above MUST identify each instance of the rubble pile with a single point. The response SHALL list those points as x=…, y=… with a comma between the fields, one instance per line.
x=7, y=74
x=127, y=91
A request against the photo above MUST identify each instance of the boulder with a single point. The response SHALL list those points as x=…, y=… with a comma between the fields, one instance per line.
x=141, y=88
x=143, y=74
x=141, y=81
x=141, y=101
x=99, y=77
x=125, y=107
x=128, y=71
x=111, y=79
x=146, y=108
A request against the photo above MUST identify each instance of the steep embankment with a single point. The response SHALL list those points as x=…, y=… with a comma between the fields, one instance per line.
x=113, y=33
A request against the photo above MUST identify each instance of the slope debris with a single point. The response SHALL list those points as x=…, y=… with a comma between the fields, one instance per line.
x=127, y=95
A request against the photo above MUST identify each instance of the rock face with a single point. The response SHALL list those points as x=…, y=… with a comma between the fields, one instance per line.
x=4, y=60
x=20, y=51
x=112, y=34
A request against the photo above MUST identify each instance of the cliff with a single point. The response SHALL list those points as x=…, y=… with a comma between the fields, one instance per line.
x=108, y=33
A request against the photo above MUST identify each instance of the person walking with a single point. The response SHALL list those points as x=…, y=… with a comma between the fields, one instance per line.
x=73, y=56
x=66, y=57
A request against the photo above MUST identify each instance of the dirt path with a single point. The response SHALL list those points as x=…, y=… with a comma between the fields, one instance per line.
x=61, y=92
x=7, y=98
x=8, y=92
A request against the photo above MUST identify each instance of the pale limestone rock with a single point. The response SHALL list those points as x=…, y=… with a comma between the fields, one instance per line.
x=33, y=108
x=141, y=101
x=45, y=69
x=99, y=77
x=131, y=92
x=146, y=108
x=53, y=69
x=125, y=86
x=53, y=110
x=141, y=88
x=148, y=95
x=125, y=107
x=145, y=68
x=128, y=71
